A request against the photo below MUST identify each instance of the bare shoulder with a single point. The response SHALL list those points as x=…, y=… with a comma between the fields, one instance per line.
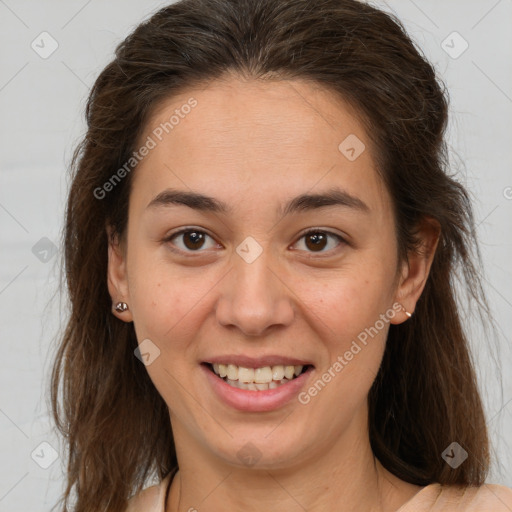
x=455, y=498
x=488, y=497
x=497, y=496
x=146, y=500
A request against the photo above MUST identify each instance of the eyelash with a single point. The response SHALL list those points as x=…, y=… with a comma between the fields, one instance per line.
x=340, y=239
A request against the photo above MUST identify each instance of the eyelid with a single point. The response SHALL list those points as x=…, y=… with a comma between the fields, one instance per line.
x=327, y=231
x=308, y=231
x=183, y=230
x=341, y=239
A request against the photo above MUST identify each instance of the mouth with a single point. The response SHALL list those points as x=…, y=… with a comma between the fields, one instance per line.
x=257, y=379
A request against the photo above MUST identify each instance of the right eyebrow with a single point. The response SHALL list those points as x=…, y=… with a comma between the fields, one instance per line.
x=194, y=200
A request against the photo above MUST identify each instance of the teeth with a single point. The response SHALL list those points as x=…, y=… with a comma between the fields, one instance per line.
x=263, y=375
x=263, y=378
x=232, y=372
x=256, y=387
x=289, y=371
x=245, y=374
x=277, y=372
x=233, y=383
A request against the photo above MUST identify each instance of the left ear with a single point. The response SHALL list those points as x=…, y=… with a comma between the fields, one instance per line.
x=416, y=269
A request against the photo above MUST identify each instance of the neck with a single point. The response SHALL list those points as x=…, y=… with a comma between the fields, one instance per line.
x=346, y=472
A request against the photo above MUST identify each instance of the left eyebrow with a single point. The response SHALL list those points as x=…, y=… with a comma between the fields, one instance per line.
x=331, y=197
x=301, y=203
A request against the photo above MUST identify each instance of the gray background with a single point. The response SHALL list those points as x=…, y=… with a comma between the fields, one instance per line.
x=41, y=105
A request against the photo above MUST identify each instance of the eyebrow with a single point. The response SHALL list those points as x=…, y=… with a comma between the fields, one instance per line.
x=301, y=203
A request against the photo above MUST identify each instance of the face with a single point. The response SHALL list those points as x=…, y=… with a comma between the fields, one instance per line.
x=223, y=264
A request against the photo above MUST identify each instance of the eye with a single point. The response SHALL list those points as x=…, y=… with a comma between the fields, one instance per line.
x=317, y=240
x=192, y=240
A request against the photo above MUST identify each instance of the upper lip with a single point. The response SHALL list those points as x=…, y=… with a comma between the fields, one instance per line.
x=258, y=362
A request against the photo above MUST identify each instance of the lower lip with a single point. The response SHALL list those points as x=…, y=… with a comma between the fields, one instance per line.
x=256, y=401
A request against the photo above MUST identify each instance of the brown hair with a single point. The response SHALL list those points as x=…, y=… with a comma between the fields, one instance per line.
x=425, y=395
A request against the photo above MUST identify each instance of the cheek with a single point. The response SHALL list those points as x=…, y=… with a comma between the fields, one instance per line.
x=169, y=302
x=350, y=300
x=348, y=312
x=159, y=298
x=159, y=310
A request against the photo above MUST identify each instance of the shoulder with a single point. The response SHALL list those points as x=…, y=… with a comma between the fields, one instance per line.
x=150, y=499
x=497, y=498
x=454, y=498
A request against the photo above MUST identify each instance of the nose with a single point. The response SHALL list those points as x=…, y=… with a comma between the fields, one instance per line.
x=254, y=298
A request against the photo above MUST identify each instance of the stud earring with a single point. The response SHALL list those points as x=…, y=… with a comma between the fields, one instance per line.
x=121, y=307
x=407, y=314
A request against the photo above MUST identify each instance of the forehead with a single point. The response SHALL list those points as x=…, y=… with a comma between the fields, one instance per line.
x=271, y=136
x=229, y=109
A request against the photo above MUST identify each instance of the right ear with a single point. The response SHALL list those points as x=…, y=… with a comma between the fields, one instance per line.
x=116, y=275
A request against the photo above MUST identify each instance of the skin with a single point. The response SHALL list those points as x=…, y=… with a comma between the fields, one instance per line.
x=255, y=145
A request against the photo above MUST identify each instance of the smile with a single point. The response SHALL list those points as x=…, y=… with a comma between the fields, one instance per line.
x=257, y=379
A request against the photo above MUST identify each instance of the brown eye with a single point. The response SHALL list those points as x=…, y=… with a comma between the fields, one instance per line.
x=191, y=240
x=317, y=240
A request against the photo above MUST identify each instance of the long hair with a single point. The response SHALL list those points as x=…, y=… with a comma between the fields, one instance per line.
x=425, y=396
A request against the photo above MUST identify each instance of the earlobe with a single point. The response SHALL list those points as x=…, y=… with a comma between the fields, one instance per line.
x=116, y=277
x=416, y=269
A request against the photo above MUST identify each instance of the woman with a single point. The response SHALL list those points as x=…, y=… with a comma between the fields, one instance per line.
x=260, y=249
